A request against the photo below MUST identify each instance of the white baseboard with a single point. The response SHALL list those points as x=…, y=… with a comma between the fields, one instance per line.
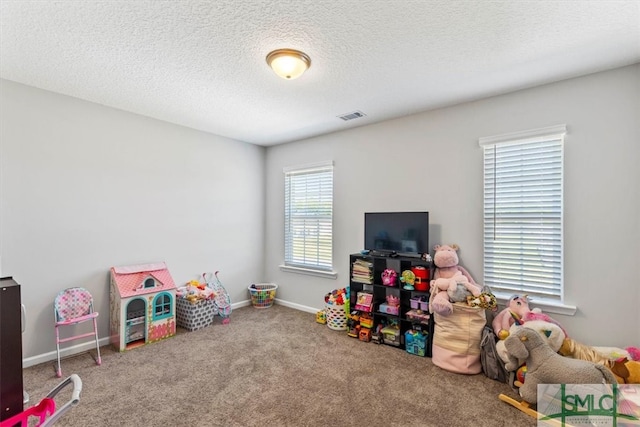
x=87, y=346
x=241, y=304
x=65, y=352
x=300, y=307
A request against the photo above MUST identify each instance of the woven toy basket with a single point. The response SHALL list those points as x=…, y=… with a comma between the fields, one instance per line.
x=263, y=294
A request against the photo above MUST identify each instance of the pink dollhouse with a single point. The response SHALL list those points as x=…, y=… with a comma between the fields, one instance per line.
x=143, y=309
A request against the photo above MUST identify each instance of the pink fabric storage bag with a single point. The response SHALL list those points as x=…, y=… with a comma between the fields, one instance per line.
x=456, y=339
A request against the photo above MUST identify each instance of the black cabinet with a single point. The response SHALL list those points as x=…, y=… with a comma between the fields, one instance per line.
x=395, y=310
x=11, y=396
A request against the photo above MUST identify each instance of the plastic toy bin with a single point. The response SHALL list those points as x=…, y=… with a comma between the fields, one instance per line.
x=336, y=316
x=263, y=294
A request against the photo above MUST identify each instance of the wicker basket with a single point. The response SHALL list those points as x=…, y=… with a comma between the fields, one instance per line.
x=336, y=317
x=263, y=294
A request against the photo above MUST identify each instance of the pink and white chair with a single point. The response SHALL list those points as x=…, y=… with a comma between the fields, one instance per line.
x=73, y=306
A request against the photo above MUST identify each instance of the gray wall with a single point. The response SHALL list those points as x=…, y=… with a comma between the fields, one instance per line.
x=432, y=161
x=86, y=187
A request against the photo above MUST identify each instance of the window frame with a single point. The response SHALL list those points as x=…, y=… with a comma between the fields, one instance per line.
x=317, y=264
x=157, y=302
x=549, y=135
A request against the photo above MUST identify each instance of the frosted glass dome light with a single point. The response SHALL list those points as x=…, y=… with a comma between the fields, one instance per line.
x=288, y=63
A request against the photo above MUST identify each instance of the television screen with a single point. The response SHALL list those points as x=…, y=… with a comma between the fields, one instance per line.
x=396, y=232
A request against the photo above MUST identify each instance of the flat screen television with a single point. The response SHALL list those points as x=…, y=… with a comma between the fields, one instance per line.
x=401, y=233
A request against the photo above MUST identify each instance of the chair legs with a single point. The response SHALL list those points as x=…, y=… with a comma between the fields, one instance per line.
x=59, y=370
x=94, y=334
x=95, y=331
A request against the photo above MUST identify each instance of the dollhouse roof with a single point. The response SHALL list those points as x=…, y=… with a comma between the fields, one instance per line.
x=129, y=280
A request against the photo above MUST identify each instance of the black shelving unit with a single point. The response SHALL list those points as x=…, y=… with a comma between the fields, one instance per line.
x=11, y=391
x=378, y=264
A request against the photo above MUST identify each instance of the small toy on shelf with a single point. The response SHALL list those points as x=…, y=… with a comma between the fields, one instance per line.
x=391, y=333
x=389, y=309
x=353, y=324
x=364, y=301
x=376, y=335
x=418, y=316
x=393, y=300
x=392, y=306
x=408, y=278
x=365, y=334
x=389, y=277
x=415, y=342
x=419, y=302
x=354, y=331
x=366, y=320
x=422, y=277
x=391, y=336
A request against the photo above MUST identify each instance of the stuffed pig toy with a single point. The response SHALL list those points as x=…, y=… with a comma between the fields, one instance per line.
x=451, y=282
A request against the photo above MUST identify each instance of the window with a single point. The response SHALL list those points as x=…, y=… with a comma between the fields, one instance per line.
x=308, y=217
x=523, y=213
x=161, y=306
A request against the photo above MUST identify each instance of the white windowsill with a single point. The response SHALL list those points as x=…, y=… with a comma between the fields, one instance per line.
x=544, y=305
x=299, y=270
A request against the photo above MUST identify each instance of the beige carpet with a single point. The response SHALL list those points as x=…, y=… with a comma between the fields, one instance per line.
x=272, y=367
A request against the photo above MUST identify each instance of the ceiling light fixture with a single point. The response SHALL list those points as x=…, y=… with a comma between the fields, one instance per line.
x=288, y=63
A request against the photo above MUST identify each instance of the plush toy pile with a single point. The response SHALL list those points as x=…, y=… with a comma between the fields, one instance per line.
x=531, y=344
x=452, y=283
x=545, y=366
x=624, y=365
x=458, y=305
x=518, y=312
x=195, y=291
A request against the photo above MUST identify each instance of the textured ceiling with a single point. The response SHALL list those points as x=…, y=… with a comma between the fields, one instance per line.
x=202, y=64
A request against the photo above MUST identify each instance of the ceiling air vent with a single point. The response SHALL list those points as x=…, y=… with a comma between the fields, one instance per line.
x=351, y=116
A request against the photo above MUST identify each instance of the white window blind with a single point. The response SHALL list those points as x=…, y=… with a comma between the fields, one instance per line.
x=523, y=184
x=308, y=216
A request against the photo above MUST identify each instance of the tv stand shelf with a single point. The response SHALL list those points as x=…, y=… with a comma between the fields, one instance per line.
x=372, y=283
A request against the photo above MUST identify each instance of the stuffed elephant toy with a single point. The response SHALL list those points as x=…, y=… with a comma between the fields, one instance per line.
x=545, y=366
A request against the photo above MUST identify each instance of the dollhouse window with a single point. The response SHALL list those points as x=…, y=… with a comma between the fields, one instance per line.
x=162, y=306
x=149, y=283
